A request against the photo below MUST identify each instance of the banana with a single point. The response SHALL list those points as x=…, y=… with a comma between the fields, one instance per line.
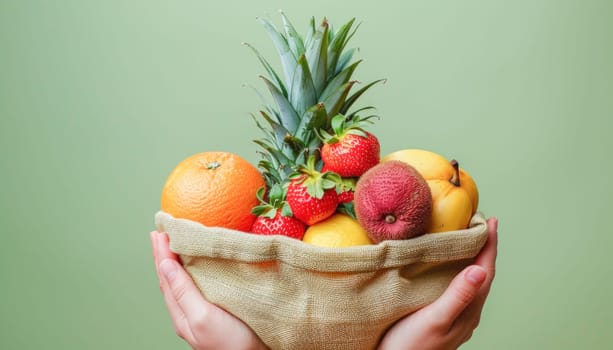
x=455, y=197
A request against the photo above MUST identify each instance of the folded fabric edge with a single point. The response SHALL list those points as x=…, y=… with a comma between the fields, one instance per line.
x=189, y=238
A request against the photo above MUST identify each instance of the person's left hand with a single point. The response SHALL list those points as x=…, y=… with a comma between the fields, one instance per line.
x=450, y=320
x=201, y=324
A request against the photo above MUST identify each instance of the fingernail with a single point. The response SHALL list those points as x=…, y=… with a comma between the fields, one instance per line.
x=476, y=275
x=169, y=269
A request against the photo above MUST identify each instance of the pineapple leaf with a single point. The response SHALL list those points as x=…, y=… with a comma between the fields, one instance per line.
x=310, y=32
x=293, y=38
x=339, y=80
x=337, y=44
x=279, y=131
x=350, y=35
x=357, y=94
x=287, y=113
x=275, y=153
x=313, y=118
x=271, y=72
x=265, y=102
x=317, y=57
x=302, y=92
x=288, y=60
x=259, y=125
x=336, y=102
x=344, y=60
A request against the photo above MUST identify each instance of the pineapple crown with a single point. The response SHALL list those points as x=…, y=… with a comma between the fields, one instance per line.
x=316, y=86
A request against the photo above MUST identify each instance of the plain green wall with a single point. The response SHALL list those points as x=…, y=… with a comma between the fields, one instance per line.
x=100, y=99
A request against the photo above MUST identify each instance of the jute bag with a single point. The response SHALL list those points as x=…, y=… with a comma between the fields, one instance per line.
x=298, y=296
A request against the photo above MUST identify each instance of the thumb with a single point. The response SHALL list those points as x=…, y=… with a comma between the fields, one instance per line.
x=460, y=293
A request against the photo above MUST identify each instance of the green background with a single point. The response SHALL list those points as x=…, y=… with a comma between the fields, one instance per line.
x=99, y=100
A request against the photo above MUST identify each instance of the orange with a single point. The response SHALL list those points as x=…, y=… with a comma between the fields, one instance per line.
x=216, y=189
x=337, y=231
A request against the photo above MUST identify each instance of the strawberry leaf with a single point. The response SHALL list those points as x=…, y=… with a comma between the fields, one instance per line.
x=286, y=210
x=348, y=209
x=357, y=132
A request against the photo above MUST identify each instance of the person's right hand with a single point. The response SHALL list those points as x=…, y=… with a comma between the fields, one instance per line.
x=201, y=324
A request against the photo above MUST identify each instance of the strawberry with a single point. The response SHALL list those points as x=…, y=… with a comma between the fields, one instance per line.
x=311, y=194
x=350, y=151
x=279, y=225
x=345, y=189
x=345, y=196
x=274, y=216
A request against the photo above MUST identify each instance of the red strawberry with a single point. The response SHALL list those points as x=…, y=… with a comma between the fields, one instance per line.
x=311, y=194
x=347, y=188
x=350, y=151
x=310, y=209
x=274, y=216
x=279, y=225
x=345, y=196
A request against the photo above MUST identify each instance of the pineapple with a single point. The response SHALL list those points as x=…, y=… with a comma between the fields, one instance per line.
x=314, y=87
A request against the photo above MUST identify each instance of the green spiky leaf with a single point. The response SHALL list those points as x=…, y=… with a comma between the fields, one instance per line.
x=302, y=94
x=317, y=57
x=339, y=80
x=337, y=44
x=344, y=60
x=293, y=38
x=336, y=101
x=288, y=116
x=357, y=95
x=313, y=119
x=288, y=60
x=271, y=72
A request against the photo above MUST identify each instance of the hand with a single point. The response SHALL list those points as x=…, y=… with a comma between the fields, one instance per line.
x=450, y=320
x=200, y=323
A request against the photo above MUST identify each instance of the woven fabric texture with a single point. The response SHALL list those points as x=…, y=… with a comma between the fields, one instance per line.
x=299, y=296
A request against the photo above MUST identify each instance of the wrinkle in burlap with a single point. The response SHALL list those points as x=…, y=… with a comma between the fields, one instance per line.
x=298, y=296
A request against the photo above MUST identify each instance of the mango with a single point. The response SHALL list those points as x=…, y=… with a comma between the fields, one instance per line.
x=455, y=197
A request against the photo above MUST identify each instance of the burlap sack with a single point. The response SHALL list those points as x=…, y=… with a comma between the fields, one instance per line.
x=298, y=296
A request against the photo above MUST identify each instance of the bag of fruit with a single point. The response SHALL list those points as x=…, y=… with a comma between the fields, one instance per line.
x=325, y=245
x=300, y=296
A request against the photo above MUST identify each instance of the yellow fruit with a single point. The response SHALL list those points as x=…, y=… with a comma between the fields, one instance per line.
x=455, y=197
x=337, y=231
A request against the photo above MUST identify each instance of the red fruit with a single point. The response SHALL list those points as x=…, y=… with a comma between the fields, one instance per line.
x=307, y=208
x=345, y=197
x=352, y=154
x=279, y=225
x=347, y=190
x=393, y=201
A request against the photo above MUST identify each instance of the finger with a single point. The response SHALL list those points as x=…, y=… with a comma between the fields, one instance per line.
x=487, y=260
x=461, y=292
x=164, y=248
x=154, y=239
x=487, y=256
x=183, y=291
x=179, y=319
